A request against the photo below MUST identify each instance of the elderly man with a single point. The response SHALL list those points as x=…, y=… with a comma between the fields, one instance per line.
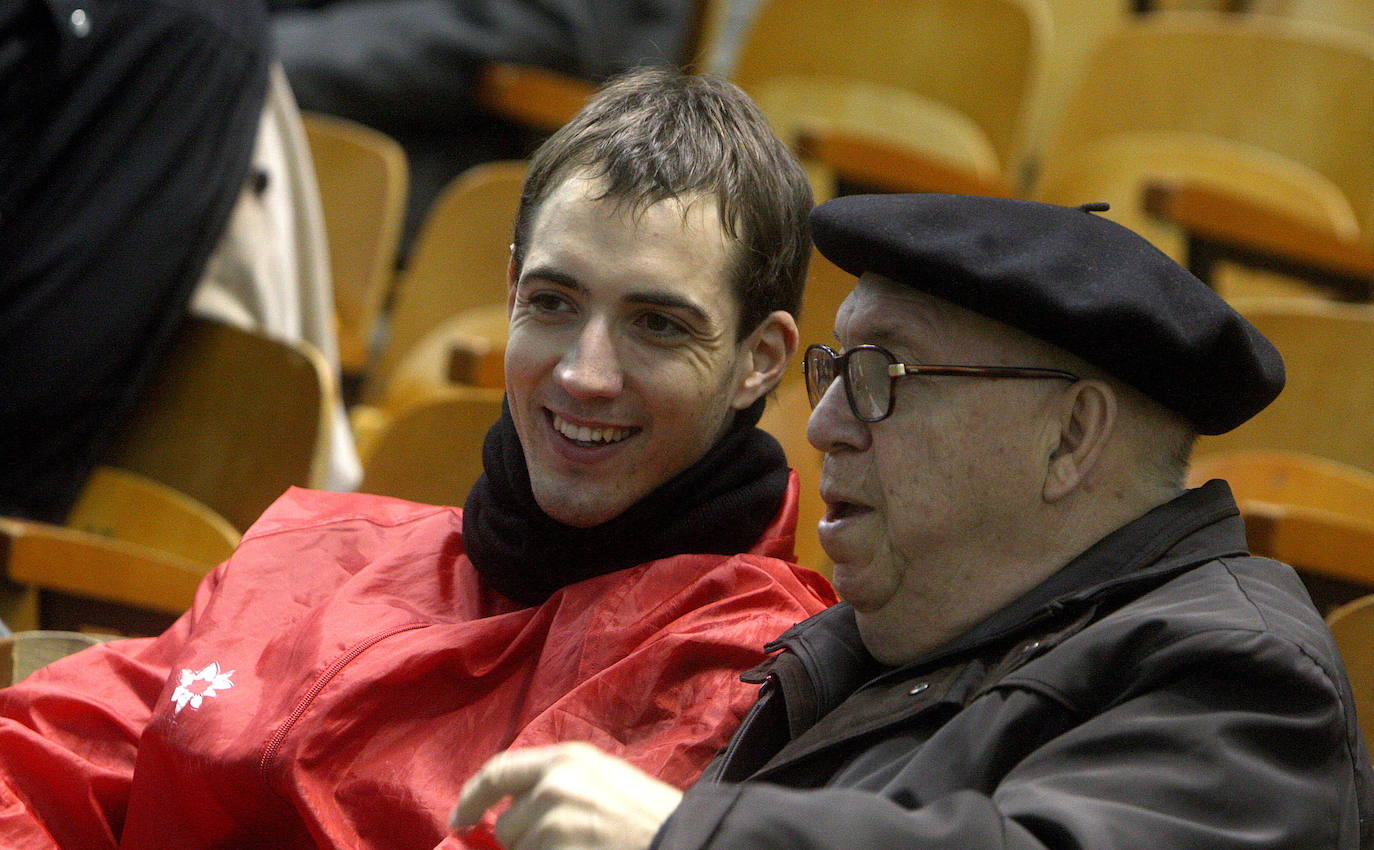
x=621, y=561
x=1046, y=641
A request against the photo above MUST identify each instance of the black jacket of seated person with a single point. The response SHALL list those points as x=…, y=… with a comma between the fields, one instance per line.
x=409, y=67
x=1164, y=690
x=126, y=130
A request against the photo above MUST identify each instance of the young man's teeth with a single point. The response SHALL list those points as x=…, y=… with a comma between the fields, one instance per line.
x=584, y=434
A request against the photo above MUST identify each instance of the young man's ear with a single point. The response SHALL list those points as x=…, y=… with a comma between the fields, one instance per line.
x=1086, y=421
x=512, y=276
x=764, y=357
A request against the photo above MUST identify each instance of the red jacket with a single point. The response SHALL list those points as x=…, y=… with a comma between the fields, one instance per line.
x=342, y=675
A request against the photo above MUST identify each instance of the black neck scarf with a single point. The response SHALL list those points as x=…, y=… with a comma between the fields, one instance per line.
x=719, y=505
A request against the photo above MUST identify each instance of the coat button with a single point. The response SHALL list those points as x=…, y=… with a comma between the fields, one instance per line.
x=919, y=688
x=81, y=23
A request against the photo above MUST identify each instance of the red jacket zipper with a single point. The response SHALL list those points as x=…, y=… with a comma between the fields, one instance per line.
x=270, y=751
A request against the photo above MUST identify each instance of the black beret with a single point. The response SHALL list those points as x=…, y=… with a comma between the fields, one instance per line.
x=1072, y=278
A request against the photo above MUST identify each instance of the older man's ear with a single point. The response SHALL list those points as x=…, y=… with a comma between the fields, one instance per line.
x=1085, y=424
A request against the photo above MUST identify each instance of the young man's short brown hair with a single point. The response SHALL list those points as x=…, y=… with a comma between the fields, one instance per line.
x=656, y=133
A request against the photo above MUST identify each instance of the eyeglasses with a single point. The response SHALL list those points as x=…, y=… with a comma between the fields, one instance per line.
x=871, y=373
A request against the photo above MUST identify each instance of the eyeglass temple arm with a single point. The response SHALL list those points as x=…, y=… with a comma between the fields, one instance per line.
x=898, y=370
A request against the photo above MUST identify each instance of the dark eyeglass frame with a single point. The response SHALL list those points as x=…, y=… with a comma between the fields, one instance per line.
x=897, y=369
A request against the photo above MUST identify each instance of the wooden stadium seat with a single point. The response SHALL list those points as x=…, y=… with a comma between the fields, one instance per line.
x=785, y=418
x=1130, y=169
x=363, y=178
x=1310, y=512
x=951, y=83
x=128, y=506
x=1355, y=16
x=232, y=419
x=1142, y=7
x=1275, y=111
x=538, y=98
x=431, y=451
x=24, y=652
x=476, y=361
x=1077, y=27
x=544, y=100
x=62, y=578
x=1324, y=410
x=1290, y=478
x=1352, y=625
x=466, y=348
x=459, y=261
x=1334, y=554
x=1221, y=226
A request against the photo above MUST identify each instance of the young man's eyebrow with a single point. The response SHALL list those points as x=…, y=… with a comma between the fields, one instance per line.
x=552, y=275
x=654, y=298
x=671, y=301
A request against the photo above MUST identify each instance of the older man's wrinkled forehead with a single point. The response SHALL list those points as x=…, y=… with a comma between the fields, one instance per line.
x=914, y=323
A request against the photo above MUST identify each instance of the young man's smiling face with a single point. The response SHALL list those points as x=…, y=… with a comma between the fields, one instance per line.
x=622, y=366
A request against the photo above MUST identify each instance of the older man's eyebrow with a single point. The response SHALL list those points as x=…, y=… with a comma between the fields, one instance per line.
x=884, y=336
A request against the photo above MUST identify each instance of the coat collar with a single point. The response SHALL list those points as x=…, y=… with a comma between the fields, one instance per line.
x=825, y=662
x=1196, y=527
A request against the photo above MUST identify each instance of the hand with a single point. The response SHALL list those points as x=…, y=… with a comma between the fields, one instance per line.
x=567, y=797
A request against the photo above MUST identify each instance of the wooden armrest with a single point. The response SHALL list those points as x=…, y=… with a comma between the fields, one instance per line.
x=891, y=168
x=24, y=652
x=476, y=362
x=1224, y=226
x=1313, y=540
x=76, y=562
x=544, y=100
x=1145, y=7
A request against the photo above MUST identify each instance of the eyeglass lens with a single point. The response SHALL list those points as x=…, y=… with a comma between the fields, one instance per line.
x=820, y=371
x=868, y=385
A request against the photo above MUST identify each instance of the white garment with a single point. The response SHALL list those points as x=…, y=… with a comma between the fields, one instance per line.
x=270, y=272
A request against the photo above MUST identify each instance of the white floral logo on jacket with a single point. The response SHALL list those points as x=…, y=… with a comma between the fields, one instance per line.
x=196, y=686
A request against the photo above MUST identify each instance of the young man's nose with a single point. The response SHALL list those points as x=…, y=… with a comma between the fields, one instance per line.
x=591, y=367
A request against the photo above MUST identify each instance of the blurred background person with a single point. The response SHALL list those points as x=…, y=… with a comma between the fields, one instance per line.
x=126, y=134
x=409, y=67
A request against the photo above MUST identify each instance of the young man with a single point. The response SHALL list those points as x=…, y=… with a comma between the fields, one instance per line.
x=1045, y=641
x=617, y=566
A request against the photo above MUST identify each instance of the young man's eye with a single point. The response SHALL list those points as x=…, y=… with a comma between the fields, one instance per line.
x=548, y=302
x=659, y=325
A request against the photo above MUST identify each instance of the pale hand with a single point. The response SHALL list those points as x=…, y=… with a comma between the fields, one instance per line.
x=567, y=797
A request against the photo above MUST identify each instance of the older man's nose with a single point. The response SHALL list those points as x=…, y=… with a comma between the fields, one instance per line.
x=833, y=425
